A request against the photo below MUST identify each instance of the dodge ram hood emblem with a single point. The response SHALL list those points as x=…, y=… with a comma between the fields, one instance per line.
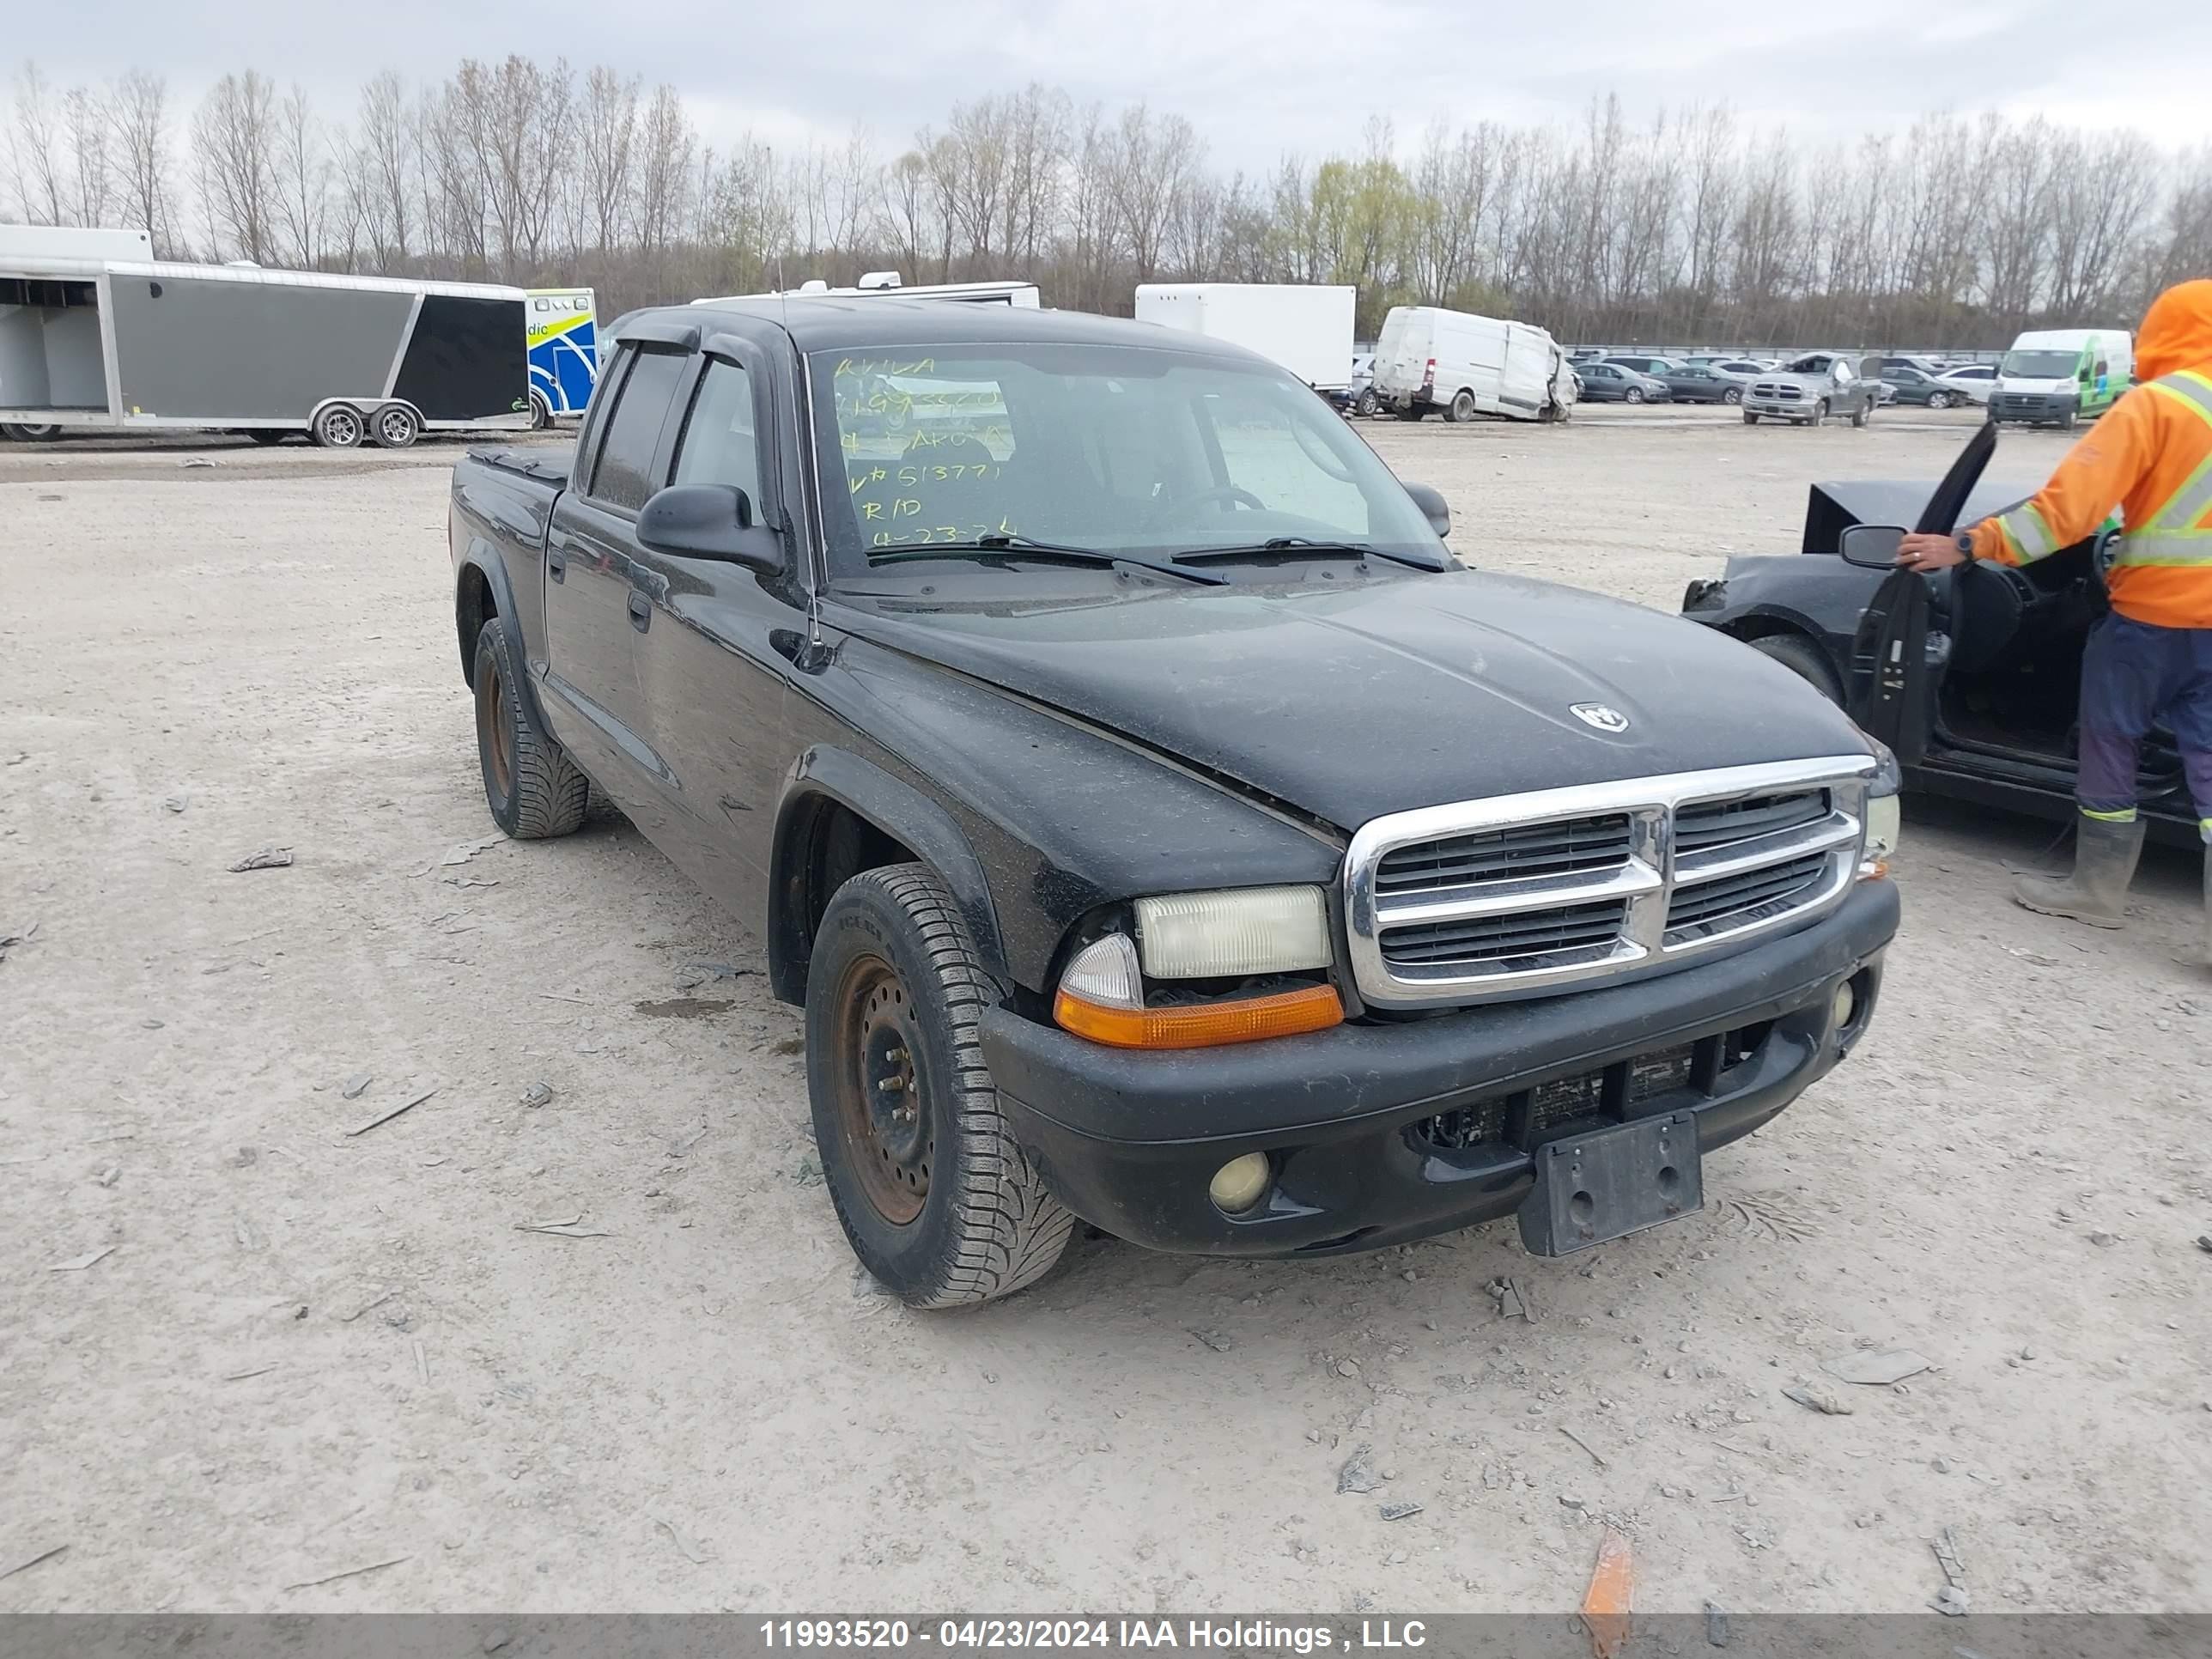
x=1597, y=715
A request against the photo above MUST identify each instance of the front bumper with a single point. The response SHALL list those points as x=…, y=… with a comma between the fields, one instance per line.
x=1359, y=1121
x=2034, y=408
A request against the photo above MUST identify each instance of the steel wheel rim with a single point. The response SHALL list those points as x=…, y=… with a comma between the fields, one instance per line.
x=491, y=720
x=883, y=1111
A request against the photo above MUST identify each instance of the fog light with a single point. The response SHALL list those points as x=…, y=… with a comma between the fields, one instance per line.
x=1241, y=1183
x=1845, y=1004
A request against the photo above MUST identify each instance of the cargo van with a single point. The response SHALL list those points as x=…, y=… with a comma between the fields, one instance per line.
x=1464, y=365
x=1305, y=326
x=2056, y=376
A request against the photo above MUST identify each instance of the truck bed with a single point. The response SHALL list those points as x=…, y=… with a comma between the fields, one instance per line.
x=546, y=465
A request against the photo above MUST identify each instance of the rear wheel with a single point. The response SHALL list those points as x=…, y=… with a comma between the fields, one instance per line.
x=936, y=1197
x=1411, y=412
x=533, y=789
x=1366, y=404
x=1463, y=406
x=541, y=412
x=1861, y=415
x=1806, y=660
x=31, y=432
x=339, y=425
x=396, y=426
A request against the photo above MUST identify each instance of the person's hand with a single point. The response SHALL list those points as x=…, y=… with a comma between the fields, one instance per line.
x=1929, y=552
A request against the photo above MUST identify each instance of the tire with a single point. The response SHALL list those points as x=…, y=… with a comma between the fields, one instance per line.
x=1733, y=395
x=1805, y=659
x=2066, y=421
x=936, y=1197
x=1939, y=400
x=31, y=432
x=1633, y=395
x=541, y=412
x=396, y=427
x=1751, y=417
x=1366, y=404
x=1861, y=415
x=1462, y=407
x=338, y=426
x=1411, y=412
x=533, y=790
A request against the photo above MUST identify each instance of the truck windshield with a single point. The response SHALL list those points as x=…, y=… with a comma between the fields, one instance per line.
x=1115, y=448
x=2042, y=365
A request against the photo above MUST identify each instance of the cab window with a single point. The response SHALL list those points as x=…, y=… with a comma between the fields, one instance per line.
x=720, y=445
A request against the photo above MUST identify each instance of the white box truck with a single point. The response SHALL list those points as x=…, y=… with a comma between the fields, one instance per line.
x=95, y=333
x=1306, y=328
x=1465, y=364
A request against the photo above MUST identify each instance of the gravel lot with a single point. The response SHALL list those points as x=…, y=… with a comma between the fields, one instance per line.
x=306, y=1351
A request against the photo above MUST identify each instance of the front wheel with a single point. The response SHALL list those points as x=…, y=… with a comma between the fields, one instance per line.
x=936, y=1197
x=1633, y=395
x=338, y=427
x=1751, y=417
x=1820, y=414
x=1805, y=659
x=1939, y=400
x=1733, y=395
x=533, y=789
x=2066, y=420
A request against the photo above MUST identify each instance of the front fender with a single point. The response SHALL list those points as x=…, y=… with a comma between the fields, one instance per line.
x=898, y=809
x=1818, y=594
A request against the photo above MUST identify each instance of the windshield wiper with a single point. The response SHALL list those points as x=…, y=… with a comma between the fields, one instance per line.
x=1001, y=545
x=1301, y=547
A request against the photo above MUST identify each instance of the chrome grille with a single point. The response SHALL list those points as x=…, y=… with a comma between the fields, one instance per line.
x=1520, y=893
x=1778, y=391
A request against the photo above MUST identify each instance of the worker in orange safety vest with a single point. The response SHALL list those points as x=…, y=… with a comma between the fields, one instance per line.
x=2150, y=659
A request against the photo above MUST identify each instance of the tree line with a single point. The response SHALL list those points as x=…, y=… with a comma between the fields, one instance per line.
x=1692, y=225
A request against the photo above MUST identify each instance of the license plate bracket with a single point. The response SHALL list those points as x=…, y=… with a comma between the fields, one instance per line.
x=1592, y=1189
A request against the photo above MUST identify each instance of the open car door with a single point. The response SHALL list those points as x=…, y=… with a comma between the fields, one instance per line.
x=1897, y=656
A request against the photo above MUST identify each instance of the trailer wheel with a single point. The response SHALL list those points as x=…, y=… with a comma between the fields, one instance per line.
x=338, y=427
x=31, y=432
x=1462, y=407
x=397, y=427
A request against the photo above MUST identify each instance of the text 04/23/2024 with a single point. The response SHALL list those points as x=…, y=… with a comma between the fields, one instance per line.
x=1097, y=1634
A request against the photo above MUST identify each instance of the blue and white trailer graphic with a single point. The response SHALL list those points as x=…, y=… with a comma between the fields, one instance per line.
x=564, y=352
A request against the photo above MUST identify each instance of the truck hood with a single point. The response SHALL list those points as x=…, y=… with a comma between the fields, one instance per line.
x=1346, y=700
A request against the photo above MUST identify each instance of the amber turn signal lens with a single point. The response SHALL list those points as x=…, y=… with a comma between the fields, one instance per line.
x=1202, y=1025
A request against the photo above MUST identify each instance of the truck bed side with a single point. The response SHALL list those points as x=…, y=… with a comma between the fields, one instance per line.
x=502, y=503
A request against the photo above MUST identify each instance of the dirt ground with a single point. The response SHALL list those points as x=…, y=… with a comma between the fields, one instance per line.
x=306, y=1351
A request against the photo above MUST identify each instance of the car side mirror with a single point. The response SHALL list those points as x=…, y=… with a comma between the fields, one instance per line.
x=1874, y=545
x=708, y=521
x=1433, y=507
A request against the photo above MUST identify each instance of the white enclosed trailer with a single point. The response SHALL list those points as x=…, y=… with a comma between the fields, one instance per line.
x=96, y=334
x=1307, y=328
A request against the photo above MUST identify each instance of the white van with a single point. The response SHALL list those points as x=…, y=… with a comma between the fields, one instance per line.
x=2056, y=376
x=1306, y=327
x=1431, y=358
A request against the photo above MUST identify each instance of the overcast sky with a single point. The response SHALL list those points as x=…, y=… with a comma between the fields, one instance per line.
x=1258, y=77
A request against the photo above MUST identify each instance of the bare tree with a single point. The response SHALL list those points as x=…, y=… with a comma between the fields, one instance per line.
x=667, y=145
x=233, y=133
x=34, y=147
x=301, y=182
x=607, y=133
x=137, y=115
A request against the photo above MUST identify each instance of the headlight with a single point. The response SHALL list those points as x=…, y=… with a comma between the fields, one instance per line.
x=1885, y=820
x=1233, y=934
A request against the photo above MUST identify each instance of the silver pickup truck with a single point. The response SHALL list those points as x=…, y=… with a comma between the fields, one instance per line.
x=1809, y=389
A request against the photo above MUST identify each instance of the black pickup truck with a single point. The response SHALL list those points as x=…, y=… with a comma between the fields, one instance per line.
x=1156, y=822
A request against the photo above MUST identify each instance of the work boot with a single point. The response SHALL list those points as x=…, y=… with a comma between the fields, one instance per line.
x=2104, y=854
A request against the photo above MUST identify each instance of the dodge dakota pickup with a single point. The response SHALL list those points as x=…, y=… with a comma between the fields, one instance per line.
x=1156, y=822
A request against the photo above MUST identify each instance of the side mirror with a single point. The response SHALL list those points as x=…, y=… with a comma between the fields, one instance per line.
x=1433, y=507
x=1874, y=545
x=708, y=521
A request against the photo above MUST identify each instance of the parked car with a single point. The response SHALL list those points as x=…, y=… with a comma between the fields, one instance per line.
x=1699, y=383
x=1972, y=382
x=1913, y=386
x=1655, y=366
x=1358, y=396
x=1429, y=357
x=1614, y=383
x=1156, y=823
x=1807, y=389
x=1746, y=366
x=1984, y=704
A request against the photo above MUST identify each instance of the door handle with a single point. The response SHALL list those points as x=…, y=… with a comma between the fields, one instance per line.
x=640, y=611
x=556, y=564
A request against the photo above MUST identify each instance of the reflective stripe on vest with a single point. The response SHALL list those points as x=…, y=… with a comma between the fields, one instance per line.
x=2030, y=537
x=2169, y=536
